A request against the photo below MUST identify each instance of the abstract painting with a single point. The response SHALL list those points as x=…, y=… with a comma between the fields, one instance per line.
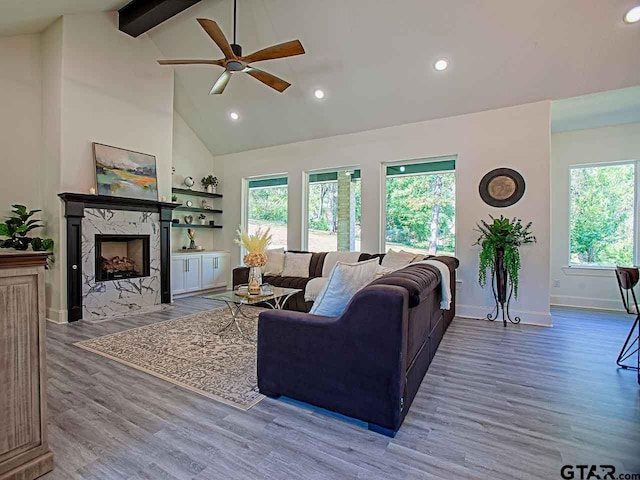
x=123, y=173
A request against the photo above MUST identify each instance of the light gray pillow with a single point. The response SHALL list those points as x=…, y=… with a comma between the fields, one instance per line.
x=343, y=283
x=296, y=265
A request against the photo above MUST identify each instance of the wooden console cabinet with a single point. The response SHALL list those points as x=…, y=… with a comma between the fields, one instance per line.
x=24, y=450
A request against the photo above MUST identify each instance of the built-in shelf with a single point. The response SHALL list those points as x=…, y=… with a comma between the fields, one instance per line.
x=196, y=209
x=194, y=225
x=195, y=193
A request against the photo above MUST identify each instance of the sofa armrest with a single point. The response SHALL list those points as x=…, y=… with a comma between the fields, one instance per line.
x=240, y=276
x=353, y=364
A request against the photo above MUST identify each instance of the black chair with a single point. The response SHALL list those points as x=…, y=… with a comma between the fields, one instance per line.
x=627, y=280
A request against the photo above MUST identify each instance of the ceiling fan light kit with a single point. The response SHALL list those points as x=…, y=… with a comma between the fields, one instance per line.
x=233, y=60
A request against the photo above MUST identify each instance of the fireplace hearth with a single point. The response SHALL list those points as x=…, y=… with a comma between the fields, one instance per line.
x=121, y=256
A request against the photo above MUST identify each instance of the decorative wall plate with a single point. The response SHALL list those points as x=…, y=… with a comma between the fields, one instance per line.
x=502, y=187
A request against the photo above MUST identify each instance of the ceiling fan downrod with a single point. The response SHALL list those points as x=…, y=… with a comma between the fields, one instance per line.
x=237, y=49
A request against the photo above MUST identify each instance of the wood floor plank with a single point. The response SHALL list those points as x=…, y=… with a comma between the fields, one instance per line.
x=496, y=403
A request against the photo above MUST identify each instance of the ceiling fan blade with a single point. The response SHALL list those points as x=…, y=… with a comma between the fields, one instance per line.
x=287, y=49
x=268, y=79
x=217, y=36
x=191, y=62
x=221, y=83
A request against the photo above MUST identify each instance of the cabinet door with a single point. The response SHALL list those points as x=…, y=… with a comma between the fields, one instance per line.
x=178, y=273
x=192, y=277
x=208, y=271
x=222, y=264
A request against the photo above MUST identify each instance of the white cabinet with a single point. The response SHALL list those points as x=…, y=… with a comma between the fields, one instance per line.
x=192, y=275
x=195, y=272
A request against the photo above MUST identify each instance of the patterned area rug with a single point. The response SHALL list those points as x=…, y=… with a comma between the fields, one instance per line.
x=190, y=352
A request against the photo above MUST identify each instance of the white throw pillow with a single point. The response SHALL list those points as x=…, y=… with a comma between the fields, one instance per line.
x=331, y=258
x=296, y=265
x=313, y=288
x=394, y=260
x=343, y=283
x=275, y=261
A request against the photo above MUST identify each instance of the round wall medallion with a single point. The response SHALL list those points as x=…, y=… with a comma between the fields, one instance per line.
x=501, y=187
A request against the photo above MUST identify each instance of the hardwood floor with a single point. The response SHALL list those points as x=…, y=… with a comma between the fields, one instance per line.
x=496, y=403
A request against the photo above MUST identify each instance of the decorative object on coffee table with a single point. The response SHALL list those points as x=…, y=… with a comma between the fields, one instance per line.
x=502, y=187
x=191, y=233
x=210, y=183
x=124, y=173
x=500, y=241
x=255, y=244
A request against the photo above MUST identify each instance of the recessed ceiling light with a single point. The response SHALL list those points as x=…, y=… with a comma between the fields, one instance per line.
x=234, y=116
x=319, y=94
x=633, y=15
x=441, y=64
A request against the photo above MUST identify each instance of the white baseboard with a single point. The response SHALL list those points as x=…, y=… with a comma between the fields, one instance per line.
x=57, y=316
x=541, y=319
x=587, y=302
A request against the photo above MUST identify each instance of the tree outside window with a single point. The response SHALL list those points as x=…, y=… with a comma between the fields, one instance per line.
x=267, y=208
x=420, y=207
x=602, y=215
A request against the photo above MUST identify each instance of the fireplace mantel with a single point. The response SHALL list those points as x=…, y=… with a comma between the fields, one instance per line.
x=75, y=204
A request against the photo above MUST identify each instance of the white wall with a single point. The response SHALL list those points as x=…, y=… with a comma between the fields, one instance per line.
x=20, y=125
x=516, y=137
x=593, y=288
x=53, y=211
x=192, y=159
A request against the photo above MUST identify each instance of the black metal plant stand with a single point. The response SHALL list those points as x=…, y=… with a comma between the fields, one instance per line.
x=500, y=283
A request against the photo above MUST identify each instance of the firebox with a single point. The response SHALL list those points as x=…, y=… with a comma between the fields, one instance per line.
x=120, y=257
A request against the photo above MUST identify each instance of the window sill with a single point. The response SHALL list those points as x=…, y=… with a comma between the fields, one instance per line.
x=576, y=270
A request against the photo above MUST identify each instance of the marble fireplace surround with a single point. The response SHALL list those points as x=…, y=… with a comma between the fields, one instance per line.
x=88, y=215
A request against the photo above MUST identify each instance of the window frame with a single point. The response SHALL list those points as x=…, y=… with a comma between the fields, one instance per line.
x=244, y=203
x=383, y=190
x=636, y=204
x=306, y=175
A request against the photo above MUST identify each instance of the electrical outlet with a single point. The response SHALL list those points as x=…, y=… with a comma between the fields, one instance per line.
x=556, y=284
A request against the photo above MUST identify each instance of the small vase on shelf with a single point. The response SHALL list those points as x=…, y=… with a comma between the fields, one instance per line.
x=209, y=188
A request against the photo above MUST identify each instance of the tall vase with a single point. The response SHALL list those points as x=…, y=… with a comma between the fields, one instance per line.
x=501, y=276
x=502, y=290
x=209, y=188
x=255, y=280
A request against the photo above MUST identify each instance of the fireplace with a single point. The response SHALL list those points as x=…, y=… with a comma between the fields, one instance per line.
x=120, y=257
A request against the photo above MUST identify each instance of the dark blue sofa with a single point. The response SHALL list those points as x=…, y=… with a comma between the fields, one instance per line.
x=369, y=362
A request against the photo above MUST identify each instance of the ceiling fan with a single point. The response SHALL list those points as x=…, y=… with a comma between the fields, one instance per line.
x=233, y=60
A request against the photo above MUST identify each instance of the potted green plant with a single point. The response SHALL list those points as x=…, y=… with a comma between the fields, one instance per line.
x=203, y=219
x=18, y=226
x=210, y=183
x=500, y=241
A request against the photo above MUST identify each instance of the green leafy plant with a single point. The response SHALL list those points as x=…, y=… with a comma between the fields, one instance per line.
x=209, y=180
x=506, y=235
x=18, y=226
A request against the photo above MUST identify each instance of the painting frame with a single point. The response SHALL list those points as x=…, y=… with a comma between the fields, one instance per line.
x=125, y=173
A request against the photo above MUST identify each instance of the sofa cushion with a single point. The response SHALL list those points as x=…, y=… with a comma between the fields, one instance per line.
x=343, y=283
x=419, y=280
x=275, y=262
x=332, y=258
x=314, y=287
x=395, y=260
x=296, y=265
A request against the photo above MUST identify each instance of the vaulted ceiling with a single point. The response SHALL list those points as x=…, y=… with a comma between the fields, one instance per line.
x=374, y=60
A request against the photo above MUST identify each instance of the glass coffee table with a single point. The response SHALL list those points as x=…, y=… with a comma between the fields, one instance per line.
x=275, y=298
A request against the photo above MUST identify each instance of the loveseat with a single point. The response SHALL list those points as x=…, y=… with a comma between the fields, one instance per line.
x=367, y=363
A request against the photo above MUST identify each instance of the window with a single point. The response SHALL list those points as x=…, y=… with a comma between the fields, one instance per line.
x=267, y=208
x=602, y=214
x=333, y=209
x=420, y=207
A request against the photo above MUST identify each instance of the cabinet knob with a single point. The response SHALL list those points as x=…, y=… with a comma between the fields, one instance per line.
x=74, y=267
